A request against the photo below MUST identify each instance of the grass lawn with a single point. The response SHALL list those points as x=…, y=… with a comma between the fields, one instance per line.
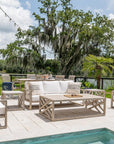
x=108, y=92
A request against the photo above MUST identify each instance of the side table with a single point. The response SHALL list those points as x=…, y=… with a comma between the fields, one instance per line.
x=20, y=95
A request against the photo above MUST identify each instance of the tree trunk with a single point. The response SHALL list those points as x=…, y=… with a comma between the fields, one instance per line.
x=98, y=82
x=98, y=76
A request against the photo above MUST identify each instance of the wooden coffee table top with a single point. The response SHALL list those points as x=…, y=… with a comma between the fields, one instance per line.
x=64, y=98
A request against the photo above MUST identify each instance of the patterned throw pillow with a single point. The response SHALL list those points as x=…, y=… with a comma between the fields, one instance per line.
x=36, y=90
x=73, y=88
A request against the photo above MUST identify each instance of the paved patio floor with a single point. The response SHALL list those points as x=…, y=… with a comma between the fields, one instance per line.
x=28, y=123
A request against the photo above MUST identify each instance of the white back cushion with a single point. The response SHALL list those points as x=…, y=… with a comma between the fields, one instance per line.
x=64, y=86
x=51, y=87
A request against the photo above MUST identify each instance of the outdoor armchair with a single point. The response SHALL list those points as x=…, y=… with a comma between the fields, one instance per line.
x=59, y=77
x=7, y=84
x=3, y=113
x=71, y=77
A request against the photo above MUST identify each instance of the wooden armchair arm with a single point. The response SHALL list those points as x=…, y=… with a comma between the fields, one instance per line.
x=112, y=98
x=112, y=94
x=4, y=102
x=97, y=92
x=29, y=92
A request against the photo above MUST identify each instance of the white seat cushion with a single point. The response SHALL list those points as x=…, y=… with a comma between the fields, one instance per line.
x=35, y=98
x=2, y=108
x=51, y=87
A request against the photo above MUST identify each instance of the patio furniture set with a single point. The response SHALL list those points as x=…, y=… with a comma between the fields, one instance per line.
x=53, y=98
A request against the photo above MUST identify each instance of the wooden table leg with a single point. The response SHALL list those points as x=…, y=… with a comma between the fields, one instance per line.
x=21, y=100
x=53, y=112
x=46, y=108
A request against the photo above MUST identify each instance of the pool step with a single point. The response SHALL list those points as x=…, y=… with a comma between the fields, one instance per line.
x=97, y=143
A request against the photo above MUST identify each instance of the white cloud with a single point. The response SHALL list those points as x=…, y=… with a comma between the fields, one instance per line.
x=8, y=3
x=100, y=11
x=111, y=16
x=6, y=38
x=21, y=16
x=28, y=4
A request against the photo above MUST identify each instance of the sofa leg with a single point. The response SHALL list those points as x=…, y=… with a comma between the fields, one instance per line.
x=30, y=106
x=6, y=121
x=61, y=102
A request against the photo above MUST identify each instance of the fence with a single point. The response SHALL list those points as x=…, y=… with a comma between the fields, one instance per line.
x=76, y=78
x=86, y=78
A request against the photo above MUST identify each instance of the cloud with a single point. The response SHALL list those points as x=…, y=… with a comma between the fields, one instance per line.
x=10, y=3
x=28, y=4
x=6, y=38
x=111, y=16
x=100, y=11
x=21, y=16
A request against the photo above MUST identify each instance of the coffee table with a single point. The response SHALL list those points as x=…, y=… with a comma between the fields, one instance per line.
x=20, y=95
x=93, y=106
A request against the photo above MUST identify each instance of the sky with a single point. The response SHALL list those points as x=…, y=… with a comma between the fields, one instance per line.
x=21, y=12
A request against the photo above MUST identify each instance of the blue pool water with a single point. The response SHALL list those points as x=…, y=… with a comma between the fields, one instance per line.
x=99, y=136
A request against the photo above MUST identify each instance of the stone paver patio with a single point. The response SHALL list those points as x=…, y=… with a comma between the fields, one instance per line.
x=28, y=123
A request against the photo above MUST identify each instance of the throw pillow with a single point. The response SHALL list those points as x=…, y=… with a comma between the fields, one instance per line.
x=73, y=88
x=35, y=88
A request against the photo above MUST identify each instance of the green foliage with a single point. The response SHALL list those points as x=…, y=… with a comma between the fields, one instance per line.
x=111, y=87
x=2, y=65
x=97, y=67
x=87, y=84
x=52, y=66
x=71, y=33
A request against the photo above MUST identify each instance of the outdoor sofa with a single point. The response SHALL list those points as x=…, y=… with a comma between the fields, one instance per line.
x=33, y=90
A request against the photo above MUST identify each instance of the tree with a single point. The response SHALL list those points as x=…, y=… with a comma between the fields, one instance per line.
x=24, y=52
x=52, y=66
x=72, y=33
x=97, y=66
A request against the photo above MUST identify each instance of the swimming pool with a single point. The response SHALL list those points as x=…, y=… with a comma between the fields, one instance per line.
x=98, y=136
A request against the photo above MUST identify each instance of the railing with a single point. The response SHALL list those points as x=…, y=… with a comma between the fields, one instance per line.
x=17, y=75
x=102, y=79
x=84, y=78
